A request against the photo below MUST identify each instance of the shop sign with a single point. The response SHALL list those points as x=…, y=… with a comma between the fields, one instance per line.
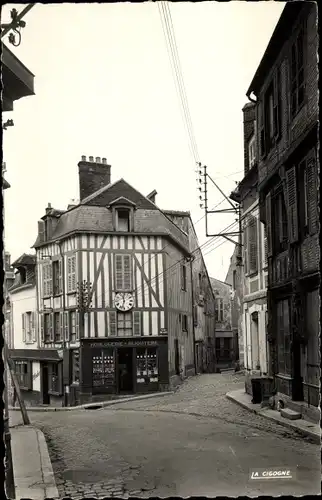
x=163, y=331
x=123, y=343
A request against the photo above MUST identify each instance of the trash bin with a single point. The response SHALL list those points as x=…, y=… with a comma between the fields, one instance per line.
x=257, y=390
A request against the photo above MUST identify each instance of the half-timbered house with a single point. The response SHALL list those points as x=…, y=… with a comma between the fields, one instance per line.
x=285, y=88
x=115, y=290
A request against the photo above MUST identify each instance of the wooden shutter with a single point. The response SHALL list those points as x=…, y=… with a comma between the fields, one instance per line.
x=60, y=277
x=291, y=204
x=23, y=317
x=127, y=281
x=33, y=326
x=69, y=274
x=61, y=325
x=42, y=333
x=261, y=123
x=45, y=283
x=77, y=324
x=119, y=272
x=245, y=247
x=252, y=244
x=51, y=327
x=73, y=259
x=312, y=193
x=137, y=323
x=112, y=332
x=268, y=209
x=276, y=103
x=265, y=247
x=66, y=326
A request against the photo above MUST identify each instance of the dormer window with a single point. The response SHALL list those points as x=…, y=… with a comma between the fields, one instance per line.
x=123, y=220
x=123, y=214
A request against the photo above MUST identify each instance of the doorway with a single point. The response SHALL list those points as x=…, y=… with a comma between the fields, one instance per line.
x=45, y=386
x=125, y=370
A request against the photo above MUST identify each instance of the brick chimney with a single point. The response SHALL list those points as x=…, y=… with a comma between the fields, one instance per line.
x=94, y=174
x=249, y=111
x=152, y=196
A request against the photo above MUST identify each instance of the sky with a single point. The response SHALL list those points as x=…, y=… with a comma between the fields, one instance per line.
x=104, y=87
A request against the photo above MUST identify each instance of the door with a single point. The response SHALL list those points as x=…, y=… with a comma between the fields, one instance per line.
x=45, y=385
x=125, y=370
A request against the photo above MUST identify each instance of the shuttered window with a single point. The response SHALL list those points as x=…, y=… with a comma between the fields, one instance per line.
x=297, y=74
x=183, y=277
x=137, y=323
x=277, y=104
x=219, y=311
x=28, y=327
x=71, y=273
x=48, y=327
x=291, y=204
x=265, y=247
x=112, y=317
x=123, y=273
x=57, y=277
x=124, y=324
x=268, y=227
x=23, y=371
x=311, y=194
x=47, y=279
x=252, y=245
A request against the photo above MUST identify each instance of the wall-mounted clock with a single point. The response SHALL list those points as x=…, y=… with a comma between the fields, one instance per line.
x=124, y=301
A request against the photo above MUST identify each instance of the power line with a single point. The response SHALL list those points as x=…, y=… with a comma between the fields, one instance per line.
x=169, y=35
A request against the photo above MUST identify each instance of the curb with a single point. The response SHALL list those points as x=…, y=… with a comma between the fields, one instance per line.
x=100, y=404
x=263, y=413
x=51, y=490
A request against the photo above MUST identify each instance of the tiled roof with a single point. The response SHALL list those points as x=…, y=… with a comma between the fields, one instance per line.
x=25, y=260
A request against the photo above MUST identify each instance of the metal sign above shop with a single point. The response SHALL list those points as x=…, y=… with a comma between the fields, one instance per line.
x=123, y=343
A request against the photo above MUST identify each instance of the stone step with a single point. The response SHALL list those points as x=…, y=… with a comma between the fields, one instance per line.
x=290, y=414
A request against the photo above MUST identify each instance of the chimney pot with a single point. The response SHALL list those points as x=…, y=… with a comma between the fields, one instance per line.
x=83, y=158
x=98, y=159
x=104, y=161
x=91, y=158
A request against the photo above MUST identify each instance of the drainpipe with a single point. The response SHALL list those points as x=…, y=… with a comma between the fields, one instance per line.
x=193, y=322
x=59, y=243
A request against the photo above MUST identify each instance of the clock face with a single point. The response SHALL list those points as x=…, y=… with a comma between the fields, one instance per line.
x=124, y=301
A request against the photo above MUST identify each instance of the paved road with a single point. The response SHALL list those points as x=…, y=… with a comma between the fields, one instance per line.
x=194, y=442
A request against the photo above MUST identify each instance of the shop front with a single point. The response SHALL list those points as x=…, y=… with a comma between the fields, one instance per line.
x=122, y=366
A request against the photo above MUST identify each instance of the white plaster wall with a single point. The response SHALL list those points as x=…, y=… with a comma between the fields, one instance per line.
x=36, y=376
x=21, y=302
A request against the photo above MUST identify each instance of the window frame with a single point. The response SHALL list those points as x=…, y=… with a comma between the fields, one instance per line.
x=48, y=328
x=24, y=379
x=126, y=211
x=127, y=316
x=219, y=300
x=279, y=222
x=183, y=277
x=71, y=273
x=295, y=69
x=122, y=287
x=47, y=279
x=57, y=277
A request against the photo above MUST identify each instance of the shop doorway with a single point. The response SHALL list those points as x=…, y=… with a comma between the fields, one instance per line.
x=45, y=386
x=125, y=370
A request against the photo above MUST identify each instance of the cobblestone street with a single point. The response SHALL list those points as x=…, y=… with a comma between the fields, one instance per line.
x=193, y=442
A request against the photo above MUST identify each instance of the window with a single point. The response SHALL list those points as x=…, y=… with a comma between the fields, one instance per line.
x=183, y=277
x=234, y=279
x=72, y=325
x=270, y=115
x=124, y=324
x=146, y=364
x=280, y=235
x=103, y=368
x=47, y=279
x=58, y=327
x=48, y=327
x=297, y=74
x=265, y=247
x=252, y=152
x=284, y=337
x=57, y=277
x=252, y=264
x=309, y=195
x=23, y=373
x=219, y=311
x=123, y=273
x=123, y=220
x=75, y=366
x=184, y=323
x=28, y=327
x=71, y=273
